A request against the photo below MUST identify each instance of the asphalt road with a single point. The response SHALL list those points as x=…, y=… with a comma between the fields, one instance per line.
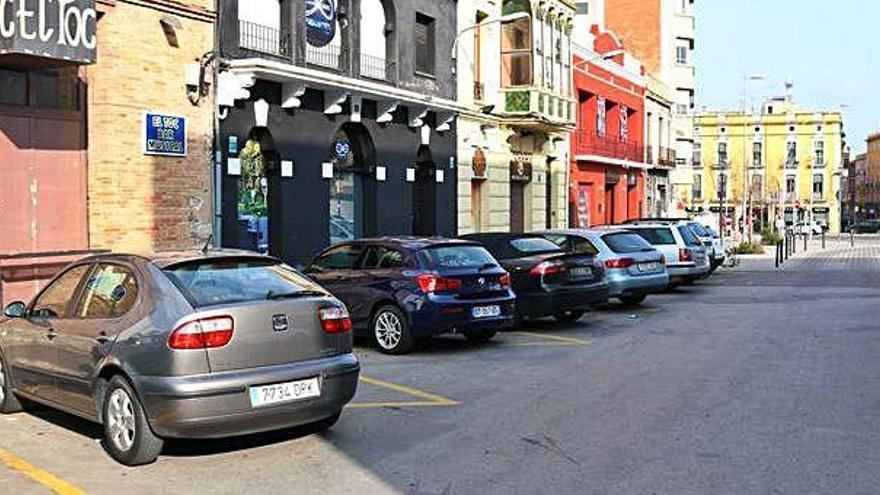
x=755, y=381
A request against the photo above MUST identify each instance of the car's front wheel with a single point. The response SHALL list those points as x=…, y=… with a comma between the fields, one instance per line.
x=127, y=434
x=8, y=402
x=568, y=316
x=391, y=331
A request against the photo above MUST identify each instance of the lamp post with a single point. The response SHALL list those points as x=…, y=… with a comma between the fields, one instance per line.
x=498, y=20
x=746, y=199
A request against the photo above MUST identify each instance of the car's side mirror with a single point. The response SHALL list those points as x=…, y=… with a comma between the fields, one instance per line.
x=15, y=310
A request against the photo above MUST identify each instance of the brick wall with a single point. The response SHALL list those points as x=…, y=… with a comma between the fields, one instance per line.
x=637, y=24
x=139, y=202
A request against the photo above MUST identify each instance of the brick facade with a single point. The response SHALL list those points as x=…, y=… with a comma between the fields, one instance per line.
x=637, y=23
x=139, y=202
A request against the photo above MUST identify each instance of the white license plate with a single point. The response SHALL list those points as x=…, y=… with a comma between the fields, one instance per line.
x=580, y=273
x=486, y=311
x=267, y=395
x=648, y=267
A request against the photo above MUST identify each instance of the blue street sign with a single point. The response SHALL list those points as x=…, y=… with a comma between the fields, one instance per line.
x=164, y=135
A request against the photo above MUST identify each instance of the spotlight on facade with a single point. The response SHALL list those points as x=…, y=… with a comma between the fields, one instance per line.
x=170, y=25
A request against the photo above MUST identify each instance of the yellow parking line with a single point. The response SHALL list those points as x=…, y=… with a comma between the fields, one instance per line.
x=427, y=399
x=46, y=479
x=554, y=338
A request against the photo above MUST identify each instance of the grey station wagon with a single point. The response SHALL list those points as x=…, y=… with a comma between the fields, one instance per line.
x=180, y=345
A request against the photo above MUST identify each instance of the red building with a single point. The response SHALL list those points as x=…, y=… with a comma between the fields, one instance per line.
x=607, y=180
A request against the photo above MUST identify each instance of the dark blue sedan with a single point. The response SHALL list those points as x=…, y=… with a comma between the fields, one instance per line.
x=404, y=289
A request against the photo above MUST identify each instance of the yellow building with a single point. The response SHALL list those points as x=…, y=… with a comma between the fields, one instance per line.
x=790, y=158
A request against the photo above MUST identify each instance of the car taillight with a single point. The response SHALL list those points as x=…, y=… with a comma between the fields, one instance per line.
x=685, y=255
x=430, y=283
x=504, y=280
x=547, y=268
x=334, y=319
x=204, y=333
x=662, y=259
x=620, y=263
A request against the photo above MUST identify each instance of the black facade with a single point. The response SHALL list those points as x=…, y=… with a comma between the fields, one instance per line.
x=393, y=176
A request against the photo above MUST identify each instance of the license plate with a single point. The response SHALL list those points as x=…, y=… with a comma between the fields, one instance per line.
x=649, y=267
x=580, y=273
x=267, y=395
x=486, y=311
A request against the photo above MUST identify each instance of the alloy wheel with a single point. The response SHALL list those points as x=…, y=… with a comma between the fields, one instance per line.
x=121, y=420
x=388, y=330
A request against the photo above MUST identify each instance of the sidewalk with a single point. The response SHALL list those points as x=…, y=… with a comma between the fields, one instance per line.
x=838, y=254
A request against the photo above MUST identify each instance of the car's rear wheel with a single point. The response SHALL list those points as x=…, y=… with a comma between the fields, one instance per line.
x=479, y=336
x=633, y=300
x=568, y=316
x=391, y=331
x=8, y=402
x=127, y=434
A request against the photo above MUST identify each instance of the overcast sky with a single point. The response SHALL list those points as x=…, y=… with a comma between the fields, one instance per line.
x=829, y=49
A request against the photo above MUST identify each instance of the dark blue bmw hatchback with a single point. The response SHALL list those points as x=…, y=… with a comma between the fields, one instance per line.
x=404, y=289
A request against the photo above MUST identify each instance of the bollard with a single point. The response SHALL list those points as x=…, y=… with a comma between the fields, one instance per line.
x=793, y=245
x=852, y=237
x=823, y=239
x=781, y=258
x=777, y=255
x=805, y=243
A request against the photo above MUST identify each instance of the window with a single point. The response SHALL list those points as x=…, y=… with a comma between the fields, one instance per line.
x=790, y=188
x=689, y=237
x=582, y=246
x=340, y=258
x=54, y=302
x=374, y=39
x=237, y=280
x=533, y=245
x=625, y=243
x=660, y=236
x=516, y=46
x=425, y=44
x=456, y=257
x=757, y=153
x=380, y=257
x=583, y=8
x=478, y=55
x=624, y=124
x=820, y=153
x=15, y=87
x=791, y=153
x=698, y=186
x=757, y=186
x=722, y=154
x=818, y=187
x=109, y=293
x=722, y=186
x=681, y=109
x=698, y=154
x=600, y=116
x=57, y=88
x=681, y=54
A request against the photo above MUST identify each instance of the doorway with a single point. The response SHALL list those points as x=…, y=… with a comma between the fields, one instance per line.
x=609, y=204
x=352, y=202
x=517, y=207
x=257, y=158
x=424, y=199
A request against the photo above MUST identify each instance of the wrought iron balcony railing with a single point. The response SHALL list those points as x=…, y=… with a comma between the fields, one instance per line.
x=588, y=142
x=329, y=56
x=263, y=39
x=374, y=67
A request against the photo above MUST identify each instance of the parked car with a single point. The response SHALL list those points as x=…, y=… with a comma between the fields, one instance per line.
x=807, y=228
x=404, y=289
x=686, y=259
x=633, y=268
x=547, y=280
x=699, y=230
x=867, y=227
x=183, y=345
x=718, y=245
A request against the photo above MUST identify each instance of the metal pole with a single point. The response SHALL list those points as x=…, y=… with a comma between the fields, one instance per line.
x=823, y=239
x=805, y=242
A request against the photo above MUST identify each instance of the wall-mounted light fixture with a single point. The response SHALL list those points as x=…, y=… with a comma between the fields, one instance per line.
x=170, y=26
x=261, y=113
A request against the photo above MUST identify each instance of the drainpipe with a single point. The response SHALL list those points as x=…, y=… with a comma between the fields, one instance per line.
x=217, y=159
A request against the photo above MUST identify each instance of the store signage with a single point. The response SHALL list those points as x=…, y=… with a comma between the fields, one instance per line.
x=54, y=29
x=341, y=149
x=164, y=134
x=521, y=169
x=320, y=22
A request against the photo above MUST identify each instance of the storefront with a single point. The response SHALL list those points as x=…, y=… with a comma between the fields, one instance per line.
x=43, y=201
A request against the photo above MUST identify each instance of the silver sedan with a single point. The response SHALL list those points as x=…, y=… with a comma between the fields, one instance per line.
x=184, y=345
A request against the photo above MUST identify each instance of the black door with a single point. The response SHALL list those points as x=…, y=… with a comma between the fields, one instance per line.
x=517, y=207
x=425, y=195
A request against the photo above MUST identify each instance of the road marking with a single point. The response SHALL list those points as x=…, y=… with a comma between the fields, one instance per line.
x=44, y=478
x=426, y=399
x=554, y=339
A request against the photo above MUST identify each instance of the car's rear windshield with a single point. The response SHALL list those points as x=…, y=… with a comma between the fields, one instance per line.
x=213, y=282
x=657, y=236
x=625, y=242
x=688, y=235
x=434, y=258
x=534, y=245
x=699, y=229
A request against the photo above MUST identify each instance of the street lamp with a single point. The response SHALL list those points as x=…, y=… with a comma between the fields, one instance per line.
x=746, y=205
x=498, y=20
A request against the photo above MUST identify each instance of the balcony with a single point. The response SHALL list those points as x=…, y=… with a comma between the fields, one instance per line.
x=723, y=162
x=374, y=67
x=667, y=157
x=791, y=164
x=263, y=39
x=649, y=155
x=587, y=142
x=328, y=56
x=538, y=105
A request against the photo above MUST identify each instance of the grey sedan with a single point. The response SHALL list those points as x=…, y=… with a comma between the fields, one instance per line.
x=183, y=345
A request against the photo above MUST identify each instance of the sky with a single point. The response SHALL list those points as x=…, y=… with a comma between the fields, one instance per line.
x=830, y=49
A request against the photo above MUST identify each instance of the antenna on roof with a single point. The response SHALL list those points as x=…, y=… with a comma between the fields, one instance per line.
x=208, y=244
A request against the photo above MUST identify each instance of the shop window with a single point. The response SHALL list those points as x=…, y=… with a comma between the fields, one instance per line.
x=425, y=44
x=516, y=46
x=14, y=84
x=253, y=210
x=56, y=88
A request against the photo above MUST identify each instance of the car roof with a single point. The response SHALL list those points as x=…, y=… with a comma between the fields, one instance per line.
x=412, y=242
x=172, y=257
x=500, y=236
x=596, y=230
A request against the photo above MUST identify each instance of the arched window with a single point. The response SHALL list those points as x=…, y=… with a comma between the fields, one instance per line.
x=260, y=25
x=374, y=39
x=516, y=46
